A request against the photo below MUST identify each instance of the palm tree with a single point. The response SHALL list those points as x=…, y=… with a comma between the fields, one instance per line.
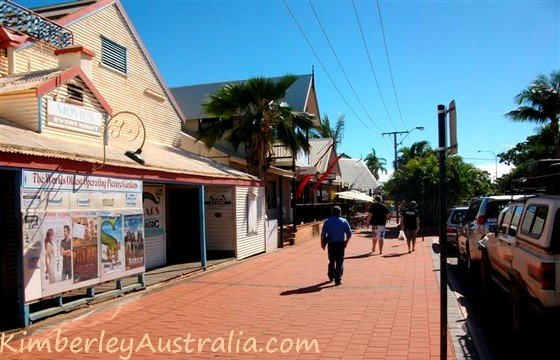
x=540, y=103
x=252, y=114
x=416, y=150
x=375, y=164
x=324, y=130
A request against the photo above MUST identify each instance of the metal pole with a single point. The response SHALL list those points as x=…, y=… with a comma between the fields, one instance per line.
x=202, y=224
x=442, y=232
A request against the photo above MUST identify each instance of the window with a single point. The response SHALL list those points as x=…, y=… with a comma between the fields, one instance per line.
x=533, y=222
x=506, y=219
x=113, y=55
x=515, y=220
x=75, y=93
x=252, y=214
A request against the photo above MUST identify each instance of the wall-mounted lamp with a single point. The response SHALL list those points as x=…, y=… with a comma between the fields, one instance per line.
x=117, y=129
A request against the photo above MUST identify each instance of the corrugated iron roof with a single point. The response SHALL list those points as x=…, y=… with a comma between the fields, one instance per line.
x=190, y=98
x=159, y=157
x=357, y=175
x=320, y=152
x=26, y=81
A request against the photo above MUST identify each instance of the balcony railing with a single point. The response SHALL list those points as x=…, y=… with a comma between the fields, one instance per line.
x=24, y=21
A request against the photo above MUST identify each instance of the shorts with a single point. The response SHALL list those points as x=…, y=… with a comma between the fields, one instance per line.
x=378, y=232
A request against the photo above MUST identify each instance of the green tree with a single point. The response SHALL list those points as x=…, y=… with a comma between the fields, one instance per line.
x=418, y=149
x=325, y=131
x=252, y=114
x=418, y=179
x=540, y=103
x=375, y=164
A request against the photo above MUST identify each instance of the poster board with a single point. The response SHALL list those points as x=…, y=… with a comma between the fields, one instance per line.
x=79, y=231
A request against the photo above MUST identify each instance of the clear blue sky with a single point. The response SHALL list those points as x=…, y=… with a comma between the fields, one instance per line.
x=480, y=53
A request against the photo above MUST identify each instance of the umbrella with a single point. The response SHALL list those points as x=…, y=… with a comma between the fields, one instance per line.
x=354, y=195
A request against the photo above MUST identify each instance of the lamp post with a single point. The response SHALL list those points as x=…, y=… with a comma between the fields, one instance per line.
x=395, y=133
x=495, y=162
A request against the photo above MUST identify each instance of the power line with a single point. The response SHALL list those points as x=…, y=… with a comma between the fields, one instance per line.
x=324, y=68
x=340, y=64
x=389, y=63
x=371, y=64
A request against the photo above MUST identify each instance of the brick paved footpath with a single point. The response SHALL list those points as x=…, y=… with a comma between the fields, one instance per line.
x=386, y=308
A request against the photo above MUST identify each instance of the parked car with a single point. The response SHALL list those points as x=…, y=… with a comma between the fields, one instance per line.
x=481, y=214
x=522, y=256
x=455, y=216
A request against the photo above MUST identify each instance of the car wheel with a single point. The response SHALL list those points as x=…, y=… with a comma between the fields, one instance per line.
x=519, y=309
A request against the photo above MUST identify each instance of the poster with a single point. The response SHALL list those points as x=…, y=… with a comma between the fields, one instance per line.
x=153, y=202
x=134, y=241
x=112, y=243
x=55, y=260
x=85, y=235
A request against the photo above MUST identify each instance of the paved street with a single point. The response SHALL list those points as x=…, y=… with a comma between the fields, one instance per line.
x=386, y=308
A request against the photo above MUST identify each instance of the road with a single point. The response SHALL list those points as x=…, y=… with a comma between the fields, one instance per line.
x=488, y=321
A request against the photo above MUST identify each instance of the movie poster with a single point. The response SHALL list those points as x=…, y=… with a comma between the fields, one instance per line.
x=56, y=255
x=134, y=241
x=112, y=243
x=85, y=235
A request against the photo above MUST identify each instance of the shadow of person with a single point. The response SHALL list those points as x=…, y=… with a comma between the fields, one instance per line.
x=435, y=248
x=307, y=289
x=361, y=256
x=393, y=255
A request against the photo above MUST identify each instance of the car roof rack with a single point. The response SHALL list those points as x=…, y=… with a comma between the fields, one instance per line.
x=544, y=178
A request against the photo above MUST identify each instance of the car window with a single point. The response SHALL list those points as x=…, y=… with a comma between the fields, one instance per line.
x=493, y=209
x=473, y=210
x=515, y=220
x=458, y=216
x=506, y=220
x=534, y=220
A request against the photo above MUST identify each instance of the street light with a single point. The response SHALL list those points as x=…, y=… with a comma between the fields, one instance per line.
x=495, y=162
x=395, y=133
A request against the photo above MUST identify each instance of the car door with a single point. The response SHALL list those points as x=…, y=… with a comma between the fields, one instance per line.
x=470, y=225
x=506, y=238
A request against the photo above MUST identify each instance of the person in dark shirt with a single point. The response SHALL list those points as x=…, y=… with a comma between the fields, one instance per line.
x=410, y=223
x=377, y=218
x=336, y=234
x=66, y=252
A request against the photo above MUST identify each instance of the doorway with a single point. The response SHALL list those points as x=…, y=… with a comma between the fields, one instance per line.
x=183, y=241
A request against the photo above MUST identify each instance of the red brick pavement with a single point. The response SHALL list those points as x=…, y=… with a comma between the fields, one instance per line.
x=386, y=308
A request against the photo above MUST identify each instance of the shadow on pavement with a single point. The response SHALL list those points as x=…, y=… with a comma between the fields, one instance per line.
x=308, y=289
x=394, y=255
x=361, y=256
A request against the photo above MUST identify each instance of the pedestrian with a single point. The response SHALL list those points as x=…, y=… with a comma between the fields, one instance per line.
x=410, y=224
x=336, y=233
x=377, y=218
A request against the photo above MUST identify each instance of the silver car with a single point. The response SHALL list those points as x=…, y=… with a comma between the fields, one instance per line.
x=455, y=217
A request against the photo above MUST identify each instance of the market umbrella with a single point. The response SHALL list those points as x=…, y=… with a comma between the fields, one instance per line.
x=354, y=195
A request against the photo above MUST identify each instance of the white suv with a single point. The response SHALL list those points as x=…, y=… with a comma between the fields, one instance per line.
x=522, y=255
x=482, y=214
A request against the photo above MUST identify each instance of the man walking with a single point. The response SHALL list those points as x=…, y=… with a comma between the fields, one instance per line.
x=410, y=223
x=336, y=234
x=377, y=218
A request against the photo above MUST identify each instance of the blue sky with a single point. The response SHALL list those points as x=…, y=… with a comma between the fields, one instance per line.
x=480, y=53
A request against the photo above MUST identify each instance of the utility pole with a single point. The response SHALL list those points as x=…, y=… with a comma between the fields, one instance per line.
x=395, y=133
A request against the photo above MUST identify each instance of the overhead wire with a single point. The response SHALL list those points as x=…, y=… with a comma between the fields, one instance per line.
x=324, y=68
x=371, y=64
x=389, y=63
x=340, y=65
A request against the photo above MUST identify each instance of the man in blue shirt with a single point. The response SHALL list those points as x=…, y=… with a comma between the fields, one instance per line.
x=336, y=234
